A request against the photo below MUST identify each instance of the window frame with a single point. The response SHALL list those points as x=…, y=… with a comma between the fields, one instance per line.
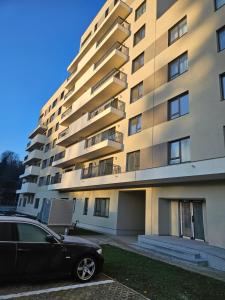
x=135, y=59
x=144, y=3
x=85, y=208
x=138, y=118
x=180, y=152
x=143, y=27
x=141, y=83
x=178, y=97
x=171, y=62
x=36, y=203
x=222, y=88
x=107, y=199
x=174, y=26
x=132, y=153
x=218, y=38
x=215, y=5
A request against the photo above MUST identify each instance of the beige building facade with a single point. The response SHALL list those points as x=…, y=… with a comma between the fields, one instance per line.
x=135, y=135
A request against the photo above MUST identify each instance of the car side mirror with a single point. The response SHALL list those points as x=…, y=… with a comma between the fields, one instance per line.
x=50, y=239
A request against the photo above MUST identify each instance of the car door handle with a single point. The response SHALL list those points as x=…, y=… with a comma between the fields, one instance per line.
x=23, y=250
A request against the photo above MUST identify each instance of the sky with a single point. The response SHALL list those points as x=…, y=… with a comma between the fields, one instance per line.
x=38, y=40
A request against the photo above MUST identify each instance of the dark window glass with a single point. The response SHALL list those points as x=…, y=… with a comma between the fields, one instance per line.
x=178, y=66
x=36, y=203
x=135, y=125
x=178, y=106
x=85, y=212
x=47, y=147
x=56, y=126
x=179, y=151
x=106, y=12
x=138, y=62
x=44, y=164
x=219, y=3
x=139, y=35
x=136, y=92
x=178, y=31
x=49, y=132
x=140, y=10
x=62, y=95
x=101, y=207
x=59, y=110
x=221, y=38
x=222, y=82
x=30, y=233
x=54, y=103
x=6, y=232
x=133, y=161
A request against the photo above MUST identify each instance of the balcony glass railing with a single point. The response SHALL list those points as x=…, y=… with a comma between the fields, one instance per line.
x=117, y=46
x=56, y=179
x=100, y=170
x=119, y=21
x=103, y=136
x=114, y=73
x=115, y=103
x=60, y=155
x=66, y=113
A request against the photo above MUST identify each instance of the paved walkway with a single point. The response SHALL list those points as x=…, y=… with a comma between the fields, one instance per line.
x=130, y=243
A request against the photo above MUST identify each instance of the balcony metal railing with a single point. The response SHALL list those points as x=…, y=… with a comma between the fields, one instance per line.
x=120, y=21
x=100, y=170
x=66, y=113
x=114, y=73
x=117, y=46
x=69, y=93
x=60, y=155
x=103, y=136
x=114, y=102
x=56, y=179
x=63, y=133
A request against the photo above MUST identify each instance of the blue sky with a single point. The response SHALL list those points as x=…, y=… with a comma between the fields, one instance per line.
x=39, y=39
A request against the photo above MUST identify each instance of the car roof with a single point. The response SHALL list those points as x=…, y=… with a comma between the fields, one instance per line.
x=18, y=219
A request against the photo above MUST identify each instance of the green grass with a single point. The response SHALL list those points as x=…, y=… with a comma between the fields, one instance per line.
x=158, y=280
x=81, y=231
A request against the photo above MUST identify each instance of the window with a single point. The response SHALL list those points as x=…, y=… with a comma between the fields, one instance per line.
x=54, y=143
x=96, y=27
x=179, y=151
x=41, y=181
x=106, y=12
x=85, y=211
x=221, y=38
x=49, y=132
x=178, y=66
x=24, y=202
x=29, y=233
x=101, y=207
x=44, y=164
x=177, y=31
x=140, y=10
x=47, y=147
x=51, y=159
x=222, y=83
x=54, y=103
x=135, y=125
x=178, y=106
x=59, y=110
x=6, y=232
x=133, y=161
x=139, y=35
x=115, y=2
x=62, y=95
x=36, y=203
x=136, y=92
x=52, y=117
x=219, y=3
x=48, y=180
x=56, y=126
x=138, y=62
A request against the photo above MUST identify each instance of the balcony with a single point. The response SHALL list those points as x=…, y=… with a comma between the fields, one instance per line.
x=31, y=171
x=102, y=144
x=118, y=33
x=40, y=129
x=114, y=58
x=110, y=85
x=28, y=188
x=96, y=171
x=38, y=141
x=120, y=9
x=33, y=157
x=105, y=115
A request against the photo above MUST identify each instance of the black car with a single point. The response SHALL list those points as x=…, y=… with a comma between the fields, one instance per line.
x=29, y=249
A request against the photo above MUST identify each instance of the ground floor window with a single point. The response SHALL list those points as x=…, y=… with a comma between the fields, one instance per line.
x=101, y=207
x=85, y=211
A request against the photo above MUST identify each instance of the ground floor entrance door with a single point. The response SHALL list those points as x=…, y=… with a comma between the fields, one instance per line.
x=191, y=219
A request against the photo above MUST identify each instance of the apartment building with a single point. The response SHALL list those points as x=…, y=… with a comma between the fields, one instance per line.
x=135, y=135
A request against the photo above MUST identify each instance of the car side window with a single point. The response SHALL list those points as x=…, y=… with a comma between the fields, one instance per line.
x=31, y=233
x=6, y=232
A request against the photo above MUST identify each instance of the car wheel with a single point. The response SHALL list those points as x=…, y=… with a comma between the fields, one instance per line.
x=85, y=268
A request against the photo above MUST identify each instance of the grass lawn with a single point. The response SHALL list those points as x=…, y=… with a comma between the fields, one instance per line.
x=81, y=231
x=158, y=280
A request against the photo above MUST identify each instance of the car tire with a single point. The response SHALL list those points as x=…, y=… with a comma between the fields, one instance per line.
x=85, y=268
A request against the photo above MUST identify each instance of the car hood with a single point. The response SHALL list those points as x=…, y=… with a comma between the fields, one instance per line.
x=68, y=239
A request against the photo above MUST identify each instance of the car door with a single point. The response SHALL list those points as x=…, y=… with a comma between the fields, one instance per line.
x=7, y=250
x=33, y=251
